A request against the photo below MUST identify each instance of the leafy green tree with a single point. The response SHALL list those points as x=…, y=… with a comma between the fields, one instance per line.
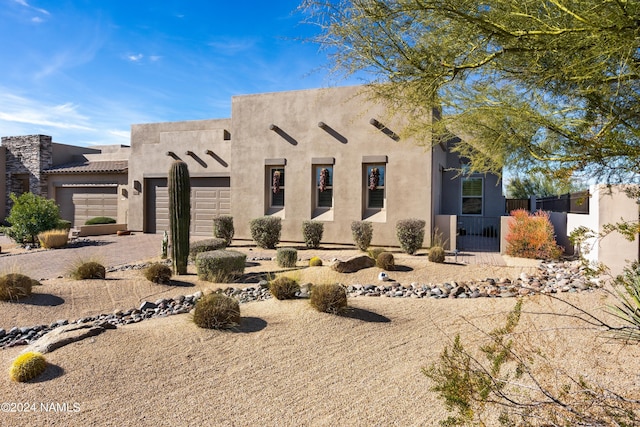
x=539, y=185
x=31, y=215
x=549, y=85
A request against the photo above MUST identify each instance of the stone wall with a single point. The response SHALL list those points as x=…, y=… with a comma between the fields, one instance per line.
x=26, y=157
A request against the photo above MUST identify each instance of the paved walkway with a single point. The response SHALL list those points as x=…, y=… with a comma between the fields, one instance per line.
x=108, y=250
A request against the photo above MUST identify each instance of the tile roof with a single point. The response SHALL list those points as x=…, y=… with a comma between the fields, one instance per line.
x=109, y=166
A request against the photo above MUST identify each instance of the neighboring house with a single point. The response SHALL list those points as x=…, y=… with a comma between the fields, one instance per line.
x=329, y=155
x=84, y=181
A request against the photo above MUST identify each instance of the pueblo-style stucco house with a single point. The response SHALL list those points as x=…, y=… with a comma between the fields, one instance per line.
x=326, y=154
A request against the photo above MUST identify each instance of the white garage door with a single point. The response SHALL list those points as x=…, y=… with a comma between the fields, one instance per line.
x=209, y=197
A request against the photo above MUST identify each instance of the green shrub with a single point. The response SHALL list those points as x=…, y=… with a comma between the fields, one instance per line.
x=284, y=288
x=386, y=261
x=100, y=220
x=362, y=232
x=29, y=216
x=89, y=270
x=532, y=236
x=329, y=298
x=27, y=366
x=15, y=285
x=221, y=266
x=437, y=254
x=216, y=311
x=265, y=231
x=223, y=228
x=410, y=234
x=158, y=273
x=63, y=224
x=315, y=262
x=286, y=257
x=53, y=239
x=206, y=245
x=374, y=252
x=312, y=233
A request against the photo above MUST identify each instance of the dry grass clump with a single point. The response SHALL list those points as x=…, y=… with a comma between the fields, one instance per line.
x=436, y=254
x=284, y=288
x=53, y=239
x=329, y=298
x=15, y=285
x=158, y=273
x=216, y=311
x=386, y=261
x=27, y=366
x=88, y=270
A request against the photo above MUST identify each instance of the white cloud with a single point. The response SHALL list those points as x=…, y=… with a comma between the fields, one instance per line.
x=124, y=134
x=135, y=57
x=37, y=9
x=16, y=109
x=232, y=46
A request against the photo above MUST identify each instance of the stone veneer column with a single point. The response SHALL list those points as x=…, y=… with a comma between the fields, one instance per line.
x=27, y=155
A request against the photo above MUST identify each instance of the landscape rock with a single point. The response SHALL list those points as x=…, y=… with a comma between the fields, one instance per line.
x=353, y=264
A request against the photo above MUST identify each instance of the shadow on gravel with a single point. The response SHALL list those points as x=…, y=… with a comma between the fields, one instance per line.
x=364, y=315
x=52, y=372
x=250, y=324
x=402, y=268
x=180, y=283
x=42, y=300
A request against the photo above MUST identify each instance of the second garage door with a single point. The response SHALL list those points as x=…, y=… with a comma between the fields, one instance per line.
x=78, y=204
x=209, y=197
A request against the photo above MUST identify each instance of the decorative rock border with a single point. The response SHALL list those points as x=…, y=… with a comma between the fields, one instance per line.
x=552, y=277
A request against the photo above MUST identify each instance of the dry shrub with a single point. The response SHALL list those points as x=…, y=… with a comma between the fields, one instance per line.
x=88, y=270
x=329, y=298
x=436, y=254
x=15, y=285
x=284, y=288
x=158, y=273
x=216, y=311
x=53, y=239
x=386, y=261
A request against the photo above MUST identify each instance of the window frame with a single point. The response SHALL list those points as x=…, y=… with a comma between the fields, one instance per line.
x=270, y=173
x=464, y=197
x=383, y=187
x=316, y=178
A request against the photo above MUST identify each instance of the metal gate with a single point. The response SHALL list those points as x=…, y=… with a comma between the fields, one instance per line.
x=478, y=234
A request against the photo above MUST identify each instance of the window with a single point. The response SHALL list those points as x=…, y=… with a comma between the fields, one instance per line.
x=472, y=196
x=324, y=186
x=375, y=193
x=277, y=183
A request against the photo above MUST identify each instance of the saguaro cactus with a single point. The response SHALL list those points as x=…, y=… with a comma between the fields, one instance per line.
x=179, y=215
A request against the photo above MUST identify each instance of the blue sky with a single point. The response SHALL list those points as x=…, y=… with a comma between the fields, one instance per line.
x=83, y=71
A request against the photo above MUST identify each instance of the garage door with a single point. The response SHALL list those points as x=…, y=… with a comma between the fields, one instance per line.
x=78, y=204
x=209, y=197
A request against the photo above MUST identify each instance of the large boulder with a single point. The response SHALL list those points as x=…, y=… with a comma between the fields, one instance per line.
x=354, y=264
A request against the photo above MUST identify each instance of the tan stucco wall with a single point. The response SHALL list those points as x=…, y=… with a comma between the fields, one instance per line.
x=150, y=144
x=63, y=153
x=347, y=113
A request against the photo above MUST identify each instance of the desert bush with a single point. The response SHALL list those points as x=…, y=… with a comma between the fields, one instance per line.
x=27, y=366
x=223, y=228
x=437, y=254
x=88, y=270
x=206, y=245
x=216, y=311
x=312, y=233
x=374, y=252
x=63, y=224
x=386, y=261
x=532, y=236
x=284, y=288
x=29, y=216
x=53, y=239
x=100, y=220
x=286, y=257
x=410, y=234
x=506, y=381
x=15, y=285
x=221, y=266
x=628, y=307
x=362, y=232
x=265, y=231
x=158, y=273
x=329, y=298
x=315, y=262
